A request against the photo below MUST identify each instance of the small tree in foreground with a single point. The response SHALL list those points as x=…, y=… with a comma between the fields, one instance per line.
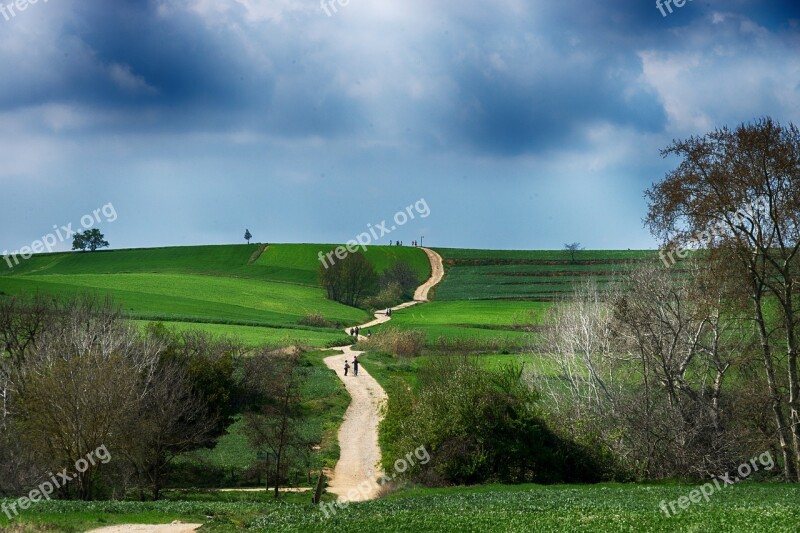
x=274, y=425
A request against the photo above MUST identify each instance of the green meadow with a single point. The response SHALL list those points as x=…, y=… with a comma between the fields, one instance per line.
x=260, y=294
x=537, y=275
x=606, y=507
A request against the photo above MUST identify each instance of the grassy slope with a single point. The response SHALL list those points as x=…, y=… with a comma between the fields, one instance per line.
x=538, y=275
x=479, y=319
x=226, y=287
x=494, y=294
x=744, y=507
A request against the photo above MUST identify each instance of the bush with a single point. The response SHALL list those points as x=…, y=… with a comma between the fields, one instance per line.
x=480, y=426
x=388, y=296
x=316, y=320
x=405, y=343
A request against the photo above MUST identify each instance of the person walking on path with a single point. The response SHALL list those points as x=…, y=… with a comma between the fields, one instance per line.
x=355, y=366
x=346, y=367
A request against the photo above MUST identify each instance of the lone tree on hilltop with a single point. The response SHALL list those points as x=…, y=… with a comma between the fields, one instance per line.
x=573, y=250
x=247, y=235
x=91, y=239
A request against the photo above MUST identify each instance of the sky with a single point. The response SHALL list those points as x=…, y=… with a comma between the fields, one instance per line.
x=517, y=124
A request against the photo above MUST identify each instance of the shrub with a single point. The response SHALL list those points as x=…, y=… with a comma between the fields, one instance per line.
x=405, y=343
x=480, y=426
x=388, y=296
x=316, y=320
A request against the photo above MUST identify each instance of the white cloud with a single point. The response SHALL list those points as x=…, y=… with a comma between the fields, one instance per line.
x=124, y=78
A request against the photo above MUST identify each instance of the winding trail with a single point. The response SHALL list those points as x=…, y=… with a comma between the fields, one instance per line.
x=360, y=456
x=356, y=474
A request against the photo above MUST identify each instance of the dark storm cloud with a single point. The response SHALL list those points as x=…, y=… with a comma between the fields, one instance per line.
x=173, y=71
x=269, y=112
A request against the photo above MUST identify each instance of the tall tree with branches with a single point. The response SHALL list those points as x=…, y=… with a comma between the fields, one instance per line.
x=738, y=191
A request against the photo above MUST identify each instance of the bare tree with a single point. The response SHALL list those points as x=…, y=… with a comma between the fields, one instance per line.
x=641, y=367
x=172, y=419
x=573, y=250
x=275, y=424
x=740, y=191
x=577, y=339
x=89, y=369
x=685, y=348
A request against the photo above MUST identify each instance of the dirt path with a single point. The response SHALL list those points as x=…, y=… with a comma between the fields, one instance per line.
x=360, y=456
x=175, y=527
x=437, y=273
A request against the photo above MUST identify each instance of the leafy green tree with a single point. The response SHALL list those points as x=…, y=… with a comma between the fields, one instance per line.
x=403, y=275
x=79, y=242
x=350, y=279
x=91, y=239
x=248, y=235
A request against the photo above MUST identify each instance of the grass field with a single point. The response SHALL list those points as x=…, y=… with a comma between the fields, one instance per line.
x=745, y=507
x=538, y=275
x=502, y=296
x=261, y=297
x=259, y=294
x=510, y=322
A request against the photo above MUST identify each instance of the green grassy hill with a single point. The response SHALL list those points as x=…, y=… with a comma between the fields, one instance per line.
x=500, y=297
x=540, y=275
x=261, y=294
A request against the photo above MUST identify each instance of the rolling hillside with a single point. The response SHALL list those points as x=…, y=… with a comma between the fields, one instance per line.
x=539, y=275
x=500, y=297
x=256, y=293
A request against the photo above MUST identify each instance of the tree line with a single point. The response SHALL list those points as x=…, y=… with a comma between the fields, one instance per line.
x=76, y=375
x=354, y=281
x=682, y=371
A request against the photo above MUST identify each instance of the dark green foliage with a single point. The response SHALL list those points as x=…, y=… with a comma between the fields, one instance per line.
x=209, y=363
x=403, y=275
x=91, y=239
x=480, y=426
x=348, y=280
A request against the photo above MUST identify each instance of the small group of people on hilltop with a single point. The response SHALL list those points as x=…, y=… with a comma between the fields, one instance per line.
x=355, y=366
x=354, y=331
x=389, y=311
x=400, y=243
